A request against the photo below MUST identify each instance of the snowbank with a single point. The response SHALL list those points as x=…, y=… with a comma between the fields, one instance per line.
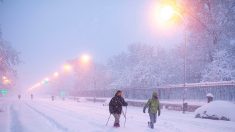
x=106, y=103
x=82, y=99
x=217, y=110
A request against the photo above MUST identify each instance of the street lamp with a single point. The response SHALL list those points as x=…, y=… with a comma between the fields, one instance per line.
x=4, y=77
x=166, y=13
x=67, y=67
x=56, y=74
x=85, y=58
x=6, y=82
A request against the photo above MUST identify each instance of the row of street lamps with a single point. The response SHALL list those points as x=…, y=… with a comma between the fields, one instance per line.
x=66, y=68
x=165, y=13
x=5, y=80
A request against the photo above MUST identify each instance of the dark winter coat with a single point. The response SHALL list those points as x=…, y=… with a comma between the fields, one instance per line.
x=116, y=103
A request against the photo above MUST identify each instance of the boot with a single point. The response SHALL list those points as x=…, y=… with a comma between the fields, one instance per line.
x=116, y=125
x=151, y=125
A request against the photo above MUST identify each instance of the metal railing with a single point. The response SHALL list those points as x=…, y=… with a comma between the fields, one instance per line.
x=195, y=91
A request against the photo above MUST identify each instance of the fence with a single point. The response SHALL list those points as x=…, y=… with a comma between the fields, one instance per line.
x=192, y=91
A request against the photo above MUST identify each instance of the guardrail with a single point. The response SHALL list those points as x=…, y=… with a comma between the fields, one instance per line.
x=193, y=91
x=140, y=103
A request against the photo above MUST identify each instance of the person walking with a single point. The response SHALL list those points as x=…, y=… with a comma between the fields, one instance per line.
x=19, y=96
x=153, y=106
x=31, y=96
x=52, y=98
x=115, y=107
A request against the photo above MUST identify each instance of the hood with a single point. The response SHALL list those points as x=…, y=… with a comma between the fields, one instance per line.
x=154, y=95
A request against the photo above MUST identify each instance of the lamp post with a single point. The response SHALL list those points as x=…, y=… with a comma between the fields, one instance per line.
x=166, y=13
x=85, y=60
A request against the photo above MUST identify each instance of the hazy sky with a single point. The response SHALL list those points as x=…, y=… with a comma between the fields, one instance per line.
x=49, y=32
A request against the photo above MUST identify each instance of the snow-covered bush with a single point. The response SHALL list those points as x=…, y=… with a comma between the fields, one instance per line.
x=217, y=110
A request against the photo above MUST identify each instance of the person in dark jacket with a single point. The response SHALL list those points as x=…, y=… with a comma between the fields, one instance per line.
x=153, y=106
x=115, y=107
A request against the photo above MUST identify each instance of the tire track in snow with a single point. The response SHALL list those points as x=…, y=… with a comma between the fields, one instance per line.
x=51, y=120
x=16, y=125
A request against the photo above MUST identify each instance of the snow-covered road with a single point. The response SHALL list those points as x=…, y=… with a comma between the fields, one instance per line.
x=44, y=115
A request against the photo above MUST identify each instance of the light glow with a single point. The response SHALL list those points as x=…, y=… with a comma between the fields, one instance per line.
x=56, y=74
x=166, y=13
x=85, y=58
x=4, y=78
x=6, y=81
x=67, y=67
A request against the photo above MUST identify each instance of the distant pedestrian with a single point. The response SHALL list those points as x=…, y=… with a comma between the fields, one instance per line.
x=153, y=106
x=19, y=96
x=115, y=107
x=31, y=96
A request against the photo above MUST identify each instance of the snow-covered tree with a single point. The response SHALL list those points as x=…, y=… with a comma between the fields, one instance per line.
x=146, y=66
x=220, y=69
x=9, y=58
x=210, y=26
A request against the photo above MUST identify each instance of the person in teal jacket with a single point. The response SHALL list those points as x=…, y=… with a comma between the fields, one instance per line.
x=153, y=106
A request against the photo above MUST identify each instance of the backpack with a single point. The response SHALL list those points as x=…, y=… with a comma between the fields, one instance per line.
x=153, y=105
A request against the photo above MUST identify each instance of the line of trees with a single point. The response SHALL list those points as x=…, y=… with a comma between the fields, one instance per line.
x=211, y=42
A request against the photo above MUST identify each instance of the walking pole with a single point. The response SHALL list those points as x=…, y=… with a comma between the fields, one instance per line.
x=108, y=120
x=125, y=116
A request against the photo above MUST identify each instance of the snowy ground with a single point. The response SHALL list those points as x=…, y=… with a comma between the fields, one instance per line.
x=43, y=115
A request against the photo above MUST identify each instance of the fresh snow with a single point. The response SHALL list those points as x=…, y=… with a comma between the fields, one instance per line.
x=217, y=109
x=44, y=115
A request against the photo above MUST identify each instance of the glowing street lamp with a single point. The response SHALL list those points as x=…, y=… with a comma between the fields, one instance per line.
x=85, y=58
x=4, y=78
x=67, y=67
x=166, y=13
x=6, y=81
x=56, y=74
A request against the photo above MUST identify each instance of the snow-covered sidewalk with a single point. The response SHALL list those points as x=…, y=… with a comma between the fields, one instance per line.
x=44, y=115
